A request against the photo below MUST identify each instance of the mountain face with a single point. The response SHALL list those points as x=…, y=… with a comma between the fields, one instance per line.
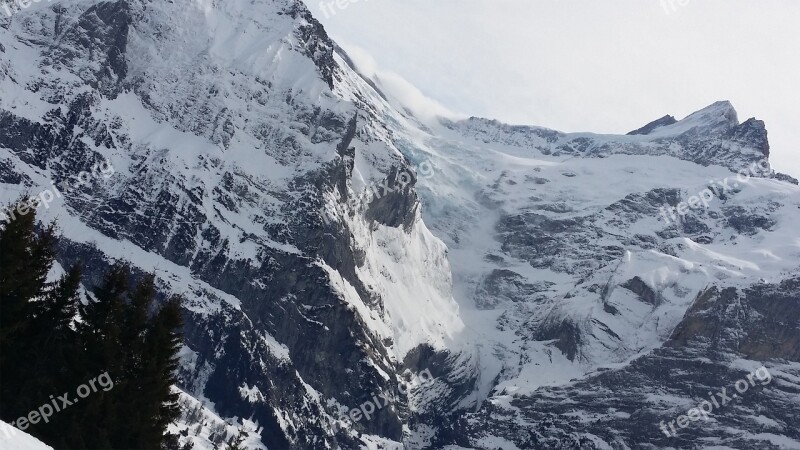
x=356, y=278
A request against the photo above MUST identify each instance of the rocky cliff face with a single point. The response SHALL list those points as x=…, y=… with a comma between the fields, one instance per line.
x=257, y=173
x=239, y=164
x=713, y=356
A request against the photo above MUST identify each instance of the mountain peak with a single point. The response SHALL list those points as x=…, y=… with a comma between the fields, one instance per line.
x=717, y=119
x=721, y=112
x=658, y=123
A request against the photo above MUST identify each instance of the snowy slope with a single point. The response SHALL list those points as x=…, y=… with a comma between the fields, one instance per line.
x=564, y=263
x=543, y=227
x=12, y=438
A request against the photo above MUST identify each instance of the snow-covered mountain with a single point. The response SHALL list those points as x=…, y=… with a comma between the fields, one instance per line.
x=334, y=249
x=597, y=309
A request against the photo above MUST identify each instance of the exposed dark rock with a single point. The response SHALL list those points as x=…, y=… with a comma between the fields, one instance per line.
x=625, y=408
x=395, y=202
x=504, y=285
x=645, y=292
x=752, y=133
x=658, y=123
x=746, y=222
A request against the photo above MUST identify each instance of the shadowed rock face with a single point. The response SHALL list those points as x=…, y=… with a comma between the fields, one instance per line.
x=647, y=129
x=640, y=288
x=753, y=132
x=286, y=296
x=397, y=204
x=624, y=408
x=504, y=285
x=762, y=324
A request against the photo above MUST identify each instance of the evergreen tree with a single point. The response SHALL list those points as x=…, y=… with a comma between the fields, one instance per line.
x=164, y=343
x=139, y=350
x=142, y=408
x=25, y=260
x=44, y=351
x=103, y=351
x=171, y=442
x=55, y=346
x=237, y=443
x=61, y=306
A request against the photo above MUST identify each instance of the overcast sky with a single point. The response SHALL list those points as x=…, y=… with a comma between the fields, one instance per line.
x=601, y=66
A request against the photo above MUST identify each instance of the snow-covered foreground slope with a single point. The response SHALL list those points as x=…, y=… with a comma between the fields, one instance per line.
x=332, y=247
x=14, y=439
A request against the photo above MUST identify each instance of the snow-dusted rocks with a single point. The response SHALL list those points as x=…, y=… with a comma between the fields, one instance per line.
x=565, y=265
x=242, y=152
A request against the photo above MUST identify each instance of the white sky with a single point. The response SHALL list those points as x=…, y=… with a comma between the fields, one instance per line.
x=602, y=66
